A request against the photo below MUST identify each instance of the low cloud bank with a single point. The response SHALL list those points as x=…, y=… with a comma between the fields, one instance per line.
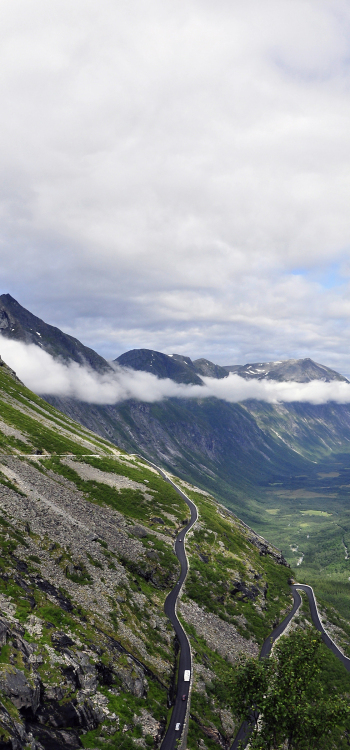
x=44, y=375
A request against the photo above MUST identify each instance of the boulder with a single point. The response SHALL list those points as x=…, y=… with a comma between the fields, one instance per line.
x=15, y=685
x=139, y=531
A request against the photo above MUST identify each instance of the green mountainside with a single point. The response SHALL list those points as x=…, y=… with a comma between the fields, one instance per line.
x=267, y=463
x=282, y=468
x=88, y=657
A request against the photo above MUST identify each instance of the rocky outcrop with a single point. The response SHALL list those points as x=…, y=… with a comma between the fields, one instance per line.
x=23, y=693
x=212, y=733
x=6, y=368
x=133, y=678
x=266, y=549
x=52, y=716
x=244, y=591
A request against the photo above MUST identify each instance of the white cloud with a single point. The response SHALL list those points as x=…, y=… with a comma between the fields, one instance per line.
x=44, y=375
x=179, y=173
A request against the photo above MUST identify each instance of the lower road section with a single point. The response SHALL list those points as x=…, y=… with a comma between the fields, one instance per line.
x=318, y=625
x=178, y=722
x=242, y=737
x=245, y=729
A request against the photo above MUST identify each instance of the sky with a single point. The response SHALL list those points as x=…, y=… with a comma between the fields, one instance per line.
x=176, y=176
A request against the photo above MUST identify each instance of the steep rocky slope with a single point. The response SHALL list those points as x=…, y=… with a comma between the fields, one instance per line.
x=88, y=657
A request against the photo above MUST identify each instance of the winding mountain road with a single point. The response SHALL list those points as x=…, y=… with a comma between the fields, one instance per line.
x=180, y=713
x=245, y=729
x=318, y=625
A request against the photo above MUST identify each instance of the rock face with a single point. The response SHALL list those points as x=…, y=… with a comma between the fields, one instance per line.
x=53, y=715
x=39, y=711
x=267, y=549
x=16, y=686
x=19, y=324
x=244, y=592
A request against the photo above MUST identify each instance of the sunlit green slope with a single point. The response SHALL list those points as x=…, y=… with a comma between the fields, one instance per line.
x=86, y=536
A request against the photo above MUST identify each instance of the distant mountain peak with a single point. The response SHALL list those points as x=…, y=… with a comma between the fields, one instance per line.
x=296, y=370
x=161, y=365
x=209, y=369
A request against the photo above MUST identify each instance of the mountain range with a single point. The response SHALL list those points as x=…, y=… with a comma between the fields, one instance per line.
x=220, y=446
x=88, y=658
x=261, y=460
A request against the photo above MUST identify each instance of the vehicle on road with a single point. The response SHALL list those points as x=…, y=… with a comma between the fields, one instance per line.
x=169, y=740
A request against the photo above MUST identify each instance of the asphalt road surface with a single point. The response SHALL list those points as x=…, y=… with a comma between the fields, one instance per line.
x=246, y=728
x=178, y=715
x=317, y=623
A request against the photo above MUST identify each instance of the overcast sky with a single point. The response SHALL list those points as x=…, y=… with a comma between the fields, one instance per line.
x=176, y=175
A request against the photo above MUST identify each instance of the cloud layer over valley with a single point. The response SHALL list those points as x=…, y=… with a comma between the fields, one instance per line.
x=44, y=375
